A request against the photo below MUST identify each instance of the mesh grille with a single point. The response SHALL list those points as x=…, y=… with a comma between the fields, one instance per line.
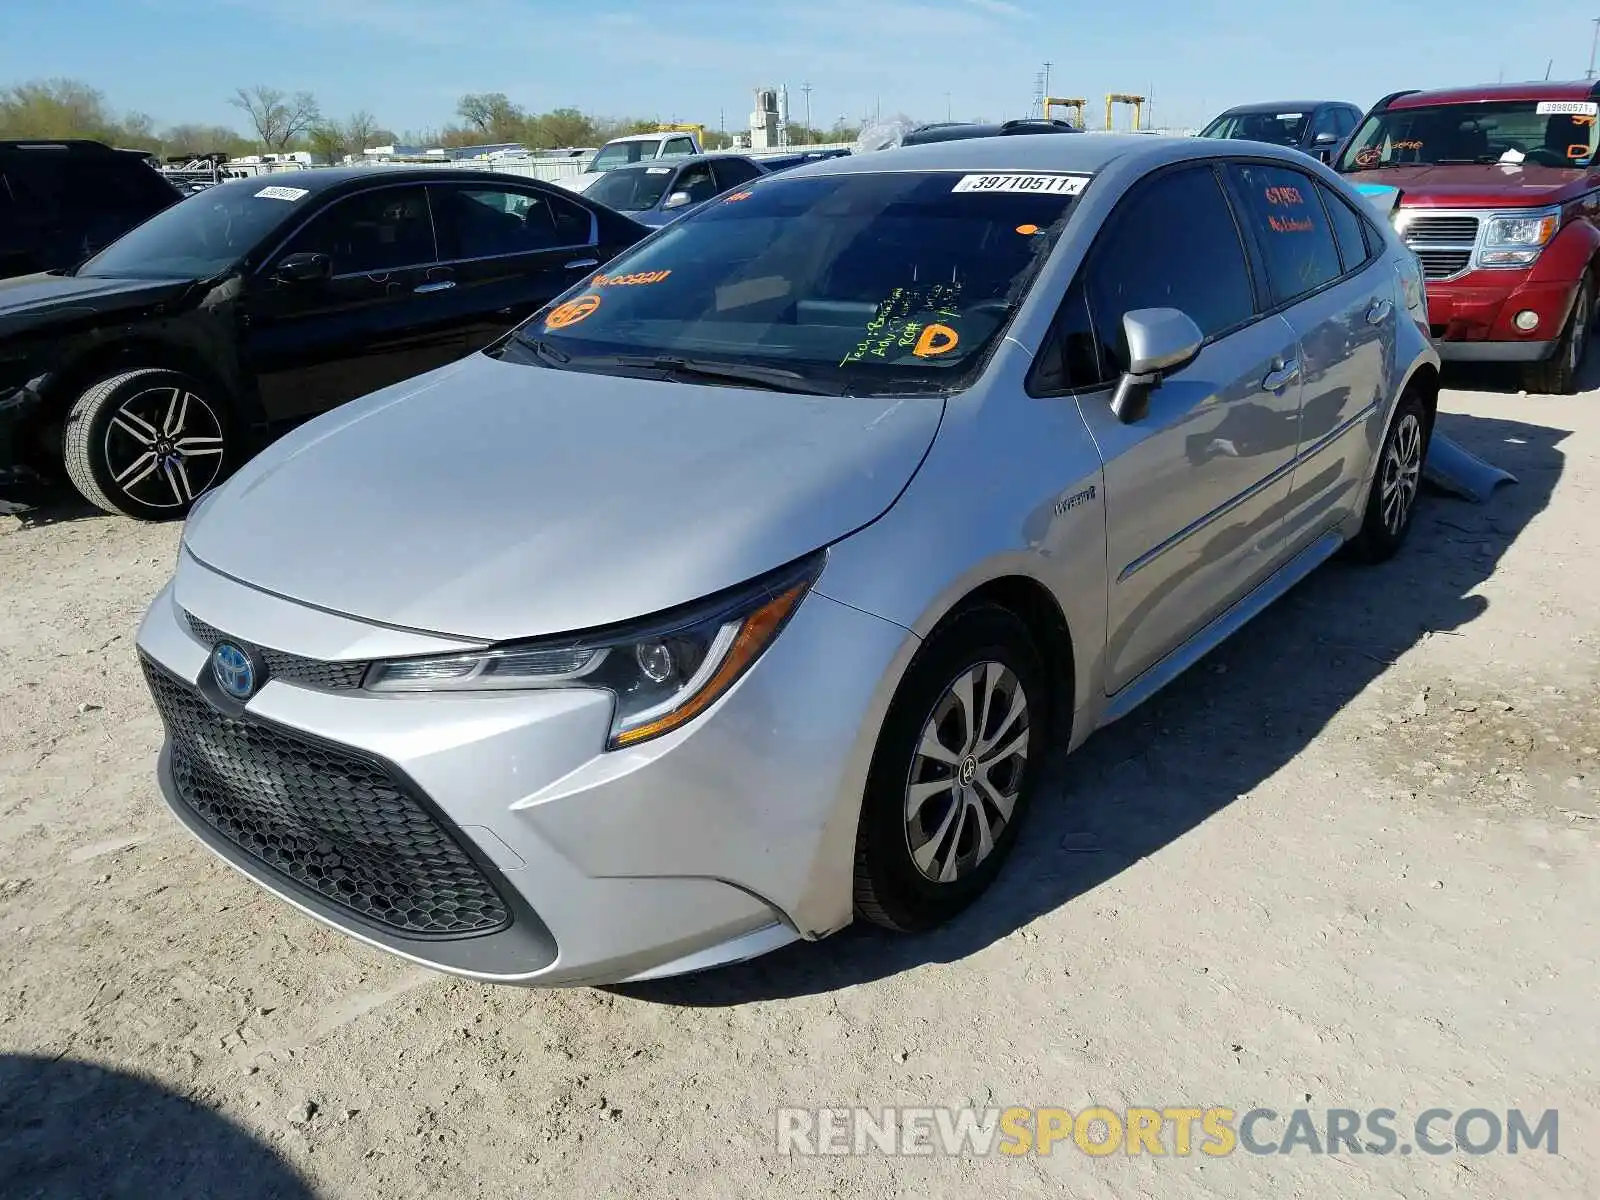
x=1422, y=229
x=291, y=668
x=1442, y=264
x=332, y=822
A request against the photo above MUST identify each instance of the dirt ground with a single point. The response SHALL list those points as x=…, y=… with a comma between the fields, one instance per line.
x=1350, y=861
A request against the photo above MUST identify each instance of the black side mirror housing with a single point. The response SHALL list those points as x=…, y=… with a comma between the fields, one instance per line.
x=304, y=267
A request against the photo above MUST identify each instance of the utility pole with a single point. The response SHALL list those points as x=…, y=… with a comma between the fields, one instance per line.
x=947, y=106
x=1047, y=66
x=1595, y=41
x=805, y=89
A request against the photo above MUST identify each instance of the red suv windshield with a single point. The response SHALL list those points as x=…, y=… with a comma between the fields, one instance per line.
x=1546, y=133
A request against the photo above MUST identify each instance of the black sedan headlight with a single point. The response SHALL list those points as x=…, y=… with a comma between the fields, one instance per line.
x=663, y=671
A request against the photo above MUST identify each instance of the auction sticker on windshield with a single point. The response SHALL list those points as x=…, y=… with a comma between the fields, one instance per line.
x=282, y=193
x=1017, y=181
x=1551, y=108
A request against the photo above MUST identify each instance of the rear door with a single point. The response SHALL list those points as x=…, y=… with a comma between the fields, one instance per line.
x=376, y=321
x=1194, y=488
x=1326, y=278
x=509, y=249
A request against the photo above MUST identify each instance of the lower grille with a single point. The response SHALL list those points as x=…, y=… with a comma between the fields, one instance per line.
x=326, y=819
x=291, y=668
x=1442, y=264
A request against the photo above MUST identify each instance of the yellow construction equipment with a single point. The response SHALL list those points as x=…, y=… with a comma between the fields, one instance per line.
x=698, y=130
x=1114, y=98
x=1075, y=107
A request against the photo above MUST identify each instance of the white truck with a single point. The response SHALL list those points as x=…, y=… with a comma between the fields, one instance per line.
x=636, y=147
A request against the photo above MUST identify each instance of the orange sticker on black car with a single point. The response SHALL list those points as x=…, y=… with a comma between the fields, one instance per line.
x=572, y=312
x=936, y=340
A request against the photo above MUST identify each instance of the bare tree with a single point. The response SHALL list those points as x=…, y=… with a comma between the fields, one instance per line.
x=278, y=117
x=492, y=114
x=361, y=132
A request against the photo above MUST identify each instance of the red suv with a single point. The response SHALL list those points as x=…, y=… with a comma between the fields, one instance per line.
x=1498, y=199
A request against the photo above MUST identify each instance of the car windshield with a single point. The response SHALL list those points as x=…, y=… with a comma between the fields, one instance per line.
x=631, y=189
x=1546, y=133
x=1275, y=128
x=621, y=153
x=876, y=282
x=201, y=236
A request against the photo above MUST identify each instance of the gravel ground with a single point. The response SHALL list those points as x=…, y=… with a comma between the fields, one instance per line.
x=1348, y=862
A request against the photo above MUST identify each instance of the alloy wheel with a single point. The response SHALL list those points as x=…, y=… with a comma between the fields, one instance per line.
x=1402, y=470
x=966, y=772
x=163, y=447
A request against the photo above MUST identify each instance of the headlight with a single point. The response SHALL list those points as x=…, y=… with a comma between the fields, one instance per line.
x=1515, y=239
x=663, y=672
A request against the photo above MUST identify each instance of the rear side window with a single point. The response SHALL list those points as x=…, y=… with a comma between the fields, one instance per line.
x=71, y=183
x=1172, y=244
x=1282, y=210
x=1349, y=231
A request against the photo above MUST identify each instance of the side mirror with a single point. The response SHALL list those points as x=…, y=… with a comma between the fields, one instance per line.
x=1160, y=341
x=305, y=267
x=677, y=200
x=1325, y=138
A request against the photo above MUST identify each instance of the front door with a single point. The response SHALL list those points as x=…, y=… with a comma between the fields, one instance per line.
x=510, y=249
x=375, y=321
x=1195, y=487
x=1323, y=270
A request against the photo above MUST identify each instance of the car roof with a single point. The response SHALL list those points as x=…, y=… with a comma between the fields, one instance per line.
x=680, y=160
x=1089, y=153
x=323, y=179
x=651, y=137
x=1575, y=89
x=1283, y=106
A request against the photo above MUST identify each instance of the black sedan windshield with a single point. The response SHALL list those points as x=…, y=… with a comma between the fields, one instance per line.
x=1548, y=133
x=631, y=189
x=1274, y=128
x=201, y=236
x=864, y=282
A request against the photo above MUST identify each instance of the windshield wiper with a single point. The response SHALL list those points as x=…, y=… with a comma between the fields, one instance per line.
x=775, y=379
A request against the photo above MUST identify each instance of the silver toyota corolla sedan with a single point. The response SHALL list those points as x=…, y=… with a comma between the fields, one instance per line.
x=745, y=588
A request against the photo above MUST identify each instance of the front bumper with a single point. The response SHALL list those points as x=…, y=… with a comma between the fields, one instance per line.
x=18, y=483
x=708, y=845
x=1470, y=318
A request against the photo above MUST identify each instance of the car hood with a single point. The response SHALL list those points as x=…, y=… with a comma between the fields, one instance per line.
x=1485, y=185
x=577, y=183
x=27, y=301
x=493, y=500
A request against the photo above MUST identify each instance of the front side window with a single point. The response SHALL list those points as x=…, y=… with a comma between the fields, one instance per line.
x=866, y=282
x=697, y=181
x=678, y=147
x=1326, y=122
x=1563, y=134
x=631, y=189
x=1282, y=209
x=1173, y=244
x=201, y=236
x=1347, y=119
x=1275, y=128
x=379, y=230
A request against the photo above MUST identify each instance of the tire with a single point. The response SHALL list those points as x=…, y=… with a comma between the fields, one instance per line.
x=906, y=878
x=1558, y=374
x=147, y=443
x=1396, y=483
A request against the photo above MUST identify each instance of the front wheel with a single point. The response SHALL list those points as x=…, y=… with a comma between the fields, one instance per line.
x=147, y=443
x=954, y=772
x=1558, y=374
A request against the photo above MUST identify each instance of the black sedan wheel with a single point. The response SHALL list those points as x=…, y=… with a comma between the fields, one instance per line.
x=147, y=443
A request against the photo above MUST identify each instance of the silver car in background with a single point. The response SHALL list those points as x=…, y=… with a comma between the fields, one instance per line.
x=745, y=589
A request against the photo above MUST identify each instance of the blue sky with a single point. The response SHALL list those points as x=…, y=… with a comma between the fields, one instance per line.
x=408, y=60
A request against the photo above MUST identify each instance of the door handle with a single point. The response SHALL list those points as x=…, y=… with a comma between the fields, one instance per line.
x=438, y=285
x=583, y=264
x=1281, y=376
x=1378, y=312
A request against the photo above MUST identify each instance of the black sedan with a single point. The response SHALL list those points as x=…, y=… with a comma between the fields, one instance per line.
x=1317, y=127
x=152, y=370
x=654, y=193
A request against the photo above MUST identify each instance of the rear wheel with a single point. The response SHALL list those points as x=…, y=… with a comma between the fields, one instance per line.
x=1395, y=484
x=147, y=443
x=954, y=772
x=1558, y=374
